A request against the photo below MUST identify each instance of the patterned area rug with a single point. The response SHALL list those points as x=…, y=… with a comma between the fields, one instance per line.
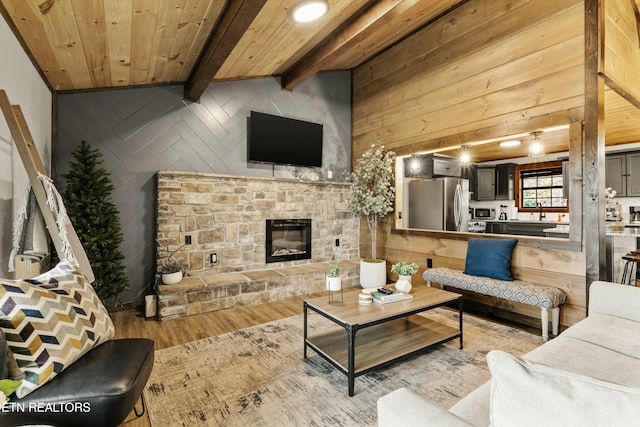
x=258, y=377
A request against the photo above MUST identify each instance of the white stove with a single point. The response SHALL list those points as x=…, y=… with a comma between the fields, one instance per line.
x=477, y=226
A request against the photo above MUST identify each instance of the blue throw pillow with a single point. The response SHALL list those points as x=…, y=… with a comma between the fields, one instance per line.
x=490, y=258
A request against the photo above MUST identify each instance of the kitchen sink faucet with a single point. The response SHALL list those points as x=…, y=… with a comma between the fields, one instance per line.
x=541, y=214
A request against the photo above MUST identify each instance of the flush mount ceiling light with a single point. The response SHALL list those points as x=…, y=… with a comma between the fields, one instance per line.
x=510, y=143
x=309, y=10
x=465, y=155
x=536, y=148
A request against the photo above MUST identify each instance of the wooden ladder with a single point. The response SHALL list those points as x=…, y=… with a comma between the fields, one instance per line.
x=34, y=167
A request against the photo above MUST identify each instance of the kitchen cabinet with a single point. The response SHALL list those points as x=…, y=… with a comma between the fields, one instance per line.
x=518, y=228
x=505, y=181
x=615, y=170
x=444, y=166
x=470, y=172
x=430, y=166
x=486, y=184
x=622, y=173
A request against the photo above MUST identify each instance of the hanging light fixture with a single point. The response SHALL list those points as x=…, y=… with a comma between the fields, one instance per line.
x=536, y=148
x=465, y=155
x=309, y=10
x=415, y=165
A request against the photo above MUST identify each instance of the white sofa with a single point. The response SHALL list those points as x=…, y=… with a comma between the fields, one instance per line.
x=587, y=376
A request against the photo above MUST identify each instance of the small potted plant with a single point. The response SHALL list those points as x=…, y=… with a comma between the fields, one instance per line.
x=404, y=270
x=334, y=281
x=172, y=269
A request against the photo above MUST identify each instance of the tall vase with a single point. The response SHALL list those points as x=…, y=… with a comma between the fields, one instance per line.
x=373, y=273
x=404, y=284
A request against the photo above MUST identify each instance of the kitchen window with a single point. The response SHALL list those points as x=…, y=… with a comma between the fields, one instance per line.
x=542, y=185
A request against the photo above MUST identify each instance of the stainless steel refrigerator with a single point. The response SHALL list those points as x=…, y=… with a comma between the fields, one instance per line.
x=439, y=204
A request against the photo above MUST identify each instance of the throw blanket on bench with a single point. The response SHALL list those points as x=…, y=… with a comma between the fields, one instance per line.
x=545, y=297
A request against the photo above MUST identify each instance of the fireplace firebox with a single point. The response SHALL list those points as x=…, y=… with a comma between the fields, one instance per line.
x=288, y=240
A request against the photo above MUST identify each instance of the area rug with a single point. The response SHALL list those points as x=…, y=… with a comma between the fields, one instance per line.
x=258, y=377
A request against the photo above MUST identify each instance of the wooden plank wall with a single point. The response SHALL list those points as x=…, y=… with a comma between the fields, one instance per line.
x=622, y=47
x=488, y=68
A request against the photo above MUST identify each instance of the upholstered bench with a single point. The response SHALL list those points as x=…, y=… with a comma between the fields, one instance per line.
x=545, y=297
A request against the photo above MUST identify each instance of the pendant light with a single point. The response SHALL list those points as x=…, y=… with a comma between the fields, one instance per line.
x=465, y=155
x=536, y=148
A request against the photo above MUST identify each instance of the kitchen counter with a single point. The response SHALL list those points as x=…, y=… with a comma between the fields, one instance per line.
x=519, y=227
x=520, y=221
x=625, y=232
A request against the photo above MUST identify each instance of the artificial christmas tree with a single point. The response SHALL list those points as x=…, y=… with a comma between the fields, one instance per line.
x=96, y=219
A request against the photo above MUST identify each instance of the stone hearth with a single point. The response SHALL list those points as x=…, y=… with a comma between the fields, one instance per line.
x=212, y=292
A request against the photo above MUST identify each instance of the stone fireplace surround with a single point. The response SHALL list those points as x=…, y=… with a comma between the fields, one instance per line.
x=227, y=215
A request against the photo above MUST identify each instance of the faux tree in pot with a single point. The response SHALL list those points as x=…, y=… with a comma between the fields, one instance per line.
x=372, y=195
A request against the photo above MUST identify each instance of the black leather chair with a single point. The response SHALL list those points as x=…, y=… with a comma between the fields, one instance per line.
x=99, y=389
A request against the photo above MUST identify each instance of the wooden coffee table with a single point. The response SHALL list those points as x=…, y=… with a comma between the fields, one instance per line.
x=385, y=332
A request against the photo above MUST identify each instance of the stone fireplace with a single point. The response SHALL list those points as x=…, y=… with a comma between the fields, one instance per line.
x=287, y=240
x=228, y=216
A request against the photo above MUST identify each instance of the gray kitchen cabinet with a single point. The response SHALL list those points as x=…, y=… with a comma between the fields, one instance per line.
x=519, y=228
x=615, y=171
x=622, y=173
x=470, y=172
x=444, y=166
x=430, y=166
x=526, y=228
x=486, y=184
x=495, y=227
x=505, y=181
x=633, y=174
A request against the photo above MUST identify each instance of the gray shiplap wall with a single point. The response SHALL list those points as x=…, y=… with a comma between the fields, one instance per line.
x=143, y=130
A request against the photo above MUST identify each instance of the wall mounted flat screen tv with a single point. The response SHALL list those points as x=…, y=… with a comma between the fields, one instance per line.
x=283, y=141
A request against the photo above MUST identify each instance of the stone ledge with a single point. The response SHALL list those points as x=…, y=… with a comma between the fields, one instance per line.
x=218, y=291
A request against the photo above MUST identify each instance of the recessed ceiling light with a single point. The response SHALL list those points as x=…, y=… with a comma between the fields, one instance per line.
x=309, y=10
x=510, y=143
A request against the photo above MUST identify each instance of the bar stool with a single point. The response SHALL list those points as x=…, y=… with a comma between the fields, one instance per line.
x=632, y=259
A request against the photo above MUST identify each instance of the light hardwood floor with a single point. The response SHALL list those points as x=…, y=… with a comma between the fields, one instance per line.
x=133, y=324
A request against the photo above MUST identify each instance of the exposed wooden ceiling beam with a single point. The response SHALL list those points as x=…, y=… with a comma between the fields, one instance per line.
x=365, y=24
x=233, y=22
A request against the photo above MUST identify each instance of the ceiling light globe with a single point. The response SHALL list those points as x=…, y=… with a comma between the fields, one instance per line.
x=309, y=10
x=465, y=159
x=536, y=149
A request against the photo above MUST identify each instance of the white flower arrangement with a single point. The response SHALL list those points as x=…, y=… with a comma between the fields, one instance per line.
x=404, y=268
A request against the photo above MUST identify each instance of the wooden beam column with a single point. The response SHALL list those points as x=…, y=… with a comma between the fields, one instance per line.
x=233, y=23
x=594, y=153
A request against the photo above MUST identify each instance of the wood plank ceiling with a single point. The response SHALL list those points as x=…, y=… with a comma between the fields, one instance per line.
x=97, y=44
x=92, y=44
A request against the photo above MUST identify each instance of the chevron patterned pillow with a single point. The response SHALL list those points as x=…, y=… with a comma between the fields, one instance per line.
x=50, y=321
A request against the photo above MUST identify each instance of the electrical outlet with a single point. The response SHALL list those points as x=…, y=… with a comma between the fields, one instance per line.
x=429, y=263
x=213, y=258
x=187, y=240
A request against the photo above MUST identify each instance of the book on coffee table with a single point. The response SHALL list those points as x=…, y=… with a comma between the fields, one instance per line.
x=382, y=298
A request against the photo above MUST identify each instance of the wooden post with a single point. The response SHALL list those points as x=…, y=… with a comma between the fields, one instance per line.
x=33, y=165
x=594, y=153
